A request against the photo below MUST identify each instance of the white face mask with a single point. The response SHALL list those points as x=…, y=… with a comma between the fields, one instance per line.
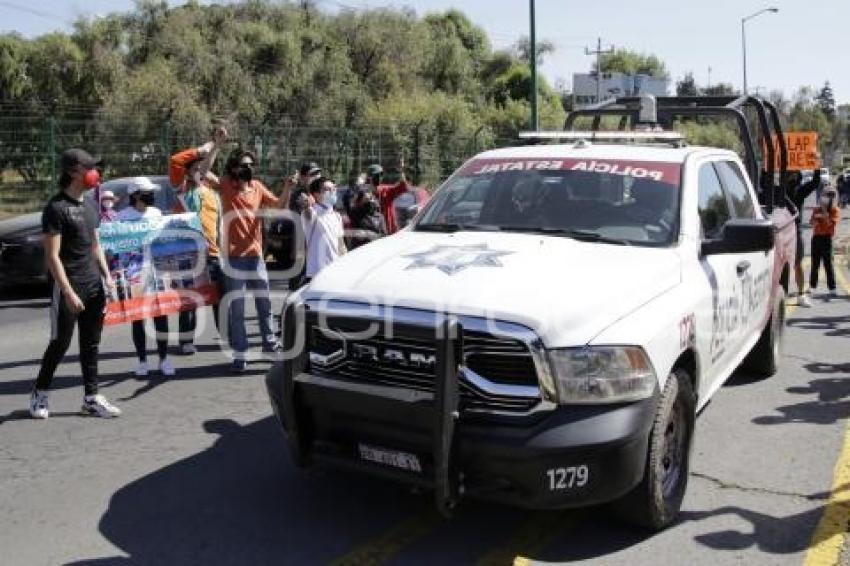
x=825, y=201
x=107, y=204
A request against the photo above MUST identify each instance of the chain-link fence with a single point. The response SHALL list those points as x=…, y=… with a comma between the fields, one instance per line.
x=30, y=146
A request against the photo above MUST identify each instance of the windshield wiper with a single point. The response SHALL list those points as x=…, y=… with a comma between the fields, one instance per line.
x=582, y=235
x=451, y=227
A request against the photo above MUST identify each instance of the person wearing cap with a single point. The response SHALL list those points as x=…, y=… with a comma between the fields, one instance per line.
x=107, y=206
x=189, y=171
x=141, y=192
x=242, y=197
x=386, y=194
x=77, y=272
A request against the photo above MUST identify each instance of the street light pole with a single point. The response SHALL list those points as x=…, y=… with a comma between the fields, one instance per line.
x=744, y=21
x=532, y=54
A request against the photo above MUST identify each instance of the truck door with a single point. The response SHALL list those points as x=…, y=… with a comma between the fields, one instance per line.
x=754, y=270
x=718, y=313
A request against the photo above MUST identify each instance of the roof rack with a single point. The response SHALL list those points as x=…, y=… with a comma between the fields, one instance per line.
x=647, y=110
x=674, y=138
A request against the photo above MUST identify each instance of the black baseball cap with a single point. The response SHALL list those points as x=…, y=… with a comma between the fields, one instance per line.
x=76, y=156
x=309, y=169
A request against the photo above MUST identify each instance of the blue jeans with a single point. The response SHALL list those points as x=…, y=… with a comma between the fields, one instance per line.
x=254, y=278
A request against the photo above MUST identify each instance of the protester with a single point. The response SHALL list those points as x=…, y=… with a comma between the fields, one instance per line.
x=77, y=271
x=388, y=193
x=824, y=221
x=367, y=222
x=322, y=228
x=190, y=172
x=107, y=206
x=798, y=192
x=242, y=197
x=294, y=194
x=141, y=192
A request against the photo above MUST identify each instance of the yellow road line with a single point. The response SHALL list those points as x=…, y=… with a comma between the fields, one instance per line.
x=829, y=536
x=535, y=534
x=392, y=541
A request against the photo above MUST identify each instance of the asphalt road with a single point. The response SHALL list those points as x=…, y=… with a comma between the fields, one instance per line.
x=195, y=472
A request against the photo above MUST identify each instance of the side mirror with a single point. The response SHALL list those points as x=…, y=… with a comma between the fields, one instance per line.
x=742, y=236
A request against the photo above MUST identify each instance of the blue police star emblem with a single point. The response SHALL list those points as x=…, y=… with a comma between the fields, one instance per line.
x=454, y=259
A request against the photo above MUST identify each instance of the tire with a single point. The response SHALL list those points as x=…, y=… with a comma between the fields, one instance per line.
x=763, y=359
x=654, y=504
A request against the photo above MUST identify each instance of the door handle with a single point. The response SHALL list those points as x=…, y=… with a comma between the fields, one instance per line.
x=742, y=267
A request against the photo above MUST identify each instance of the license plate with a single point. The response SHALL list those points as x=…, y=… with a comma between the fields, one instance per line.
x=394, y=458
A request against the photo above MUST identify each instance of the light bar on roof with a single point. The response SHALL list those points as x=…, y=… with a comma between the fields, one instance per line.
x=603, y=136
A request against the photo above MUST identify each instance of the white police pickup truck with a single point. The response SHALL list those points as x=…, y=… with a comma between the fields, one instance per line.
x=546, y=330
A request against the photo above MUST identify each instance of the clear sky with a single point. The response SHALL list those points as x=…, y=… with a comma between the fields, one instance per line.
x=806, y=43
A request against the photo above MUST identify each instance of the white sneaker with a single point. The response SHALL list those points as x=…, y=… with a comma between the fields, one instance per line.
x=38, y=405
x=803, y=300
x=98, y=406
x=188, y=349
x=165, y=367
x=141, y=369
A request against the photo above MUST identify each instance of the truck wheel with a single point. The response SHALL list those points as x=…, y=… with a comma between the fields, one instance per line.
x=763, y=359
x=655, y=502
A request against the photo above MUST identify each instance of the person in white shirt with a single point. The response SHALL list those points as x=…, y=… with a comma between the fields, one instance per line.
x=323, y=228
x=141, y=193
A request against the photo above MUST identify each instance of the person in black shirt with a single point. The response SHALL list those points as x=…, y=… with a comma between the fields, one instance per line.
x=77, y=271
x=797, y=193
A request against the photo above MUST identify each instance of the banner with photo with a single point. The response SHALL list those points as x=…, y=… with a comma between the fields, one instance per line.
x=154, y=263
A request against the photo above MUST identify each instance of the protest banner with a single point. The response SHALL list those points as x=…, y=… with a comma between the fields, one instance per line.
x=158, y=266
x=803, y=152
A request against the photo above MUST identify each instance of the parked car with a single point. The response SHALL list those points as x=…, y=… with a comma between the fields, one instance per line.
x=21, y=251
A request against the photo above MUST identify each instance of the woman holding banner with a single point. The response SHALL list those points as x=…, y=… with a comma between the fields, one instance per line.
x=141, y=194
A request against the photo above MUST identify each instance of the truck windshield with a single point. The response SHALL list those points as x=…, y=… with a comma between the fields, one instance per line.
x=631, y=202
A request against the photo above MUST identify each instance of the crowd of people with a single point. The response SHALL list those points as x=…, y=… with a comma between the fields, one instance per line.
x=230, y=212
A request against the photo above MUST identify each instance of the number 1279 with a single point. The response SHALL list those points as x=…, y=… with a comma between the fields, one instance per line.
x=567, y=478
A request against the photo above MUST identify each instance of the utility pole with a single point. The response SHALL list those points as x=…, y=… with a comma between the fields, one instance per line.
x=709, y=76
x=599, y=52
x=532, y=55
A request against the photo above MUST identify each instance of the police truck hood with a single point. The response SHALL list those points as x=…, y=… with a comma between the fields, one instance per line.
x=566, y=290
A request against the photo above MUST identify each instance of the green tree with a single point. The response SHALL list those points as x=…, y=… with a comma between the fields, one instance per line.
x=632, y=63
x=825, y=100
x=687, y=86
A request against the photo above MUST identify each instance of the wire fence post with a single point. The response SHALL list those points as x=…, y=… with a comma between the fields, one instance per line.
x=50, y=143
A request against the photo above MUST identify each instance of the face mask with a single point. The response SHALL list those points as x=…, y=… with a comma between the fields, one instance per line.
x=107, y=204
x=91, y=179
x=246, y=173
x=147, y=198
x=329, y=199
x=825, y=201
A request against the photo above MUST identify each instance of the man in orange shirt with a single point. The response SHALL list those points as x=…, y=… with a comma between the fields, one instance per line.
x=824, y=221
x=189, y=171
x=242, y=197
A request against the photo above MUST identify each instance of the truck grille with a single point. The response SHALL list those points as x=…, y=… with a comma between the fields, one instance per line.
x=407, y=358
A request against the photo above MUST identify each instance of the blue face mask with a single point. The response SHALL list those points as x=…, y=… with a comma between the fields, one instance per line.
x=329, y=199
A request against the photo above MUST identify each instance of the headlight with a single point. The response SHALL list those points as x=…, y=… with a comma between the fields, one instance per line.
x=609, y=374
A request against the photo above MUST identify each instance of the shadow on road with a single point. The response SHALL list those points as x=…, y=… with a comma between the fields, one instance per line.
x=241, y=501
x=829, y=325
x=830, y=405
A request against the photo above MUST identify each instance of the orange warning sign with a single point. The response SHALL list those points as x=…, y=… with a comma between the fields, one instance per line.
x=802, y=151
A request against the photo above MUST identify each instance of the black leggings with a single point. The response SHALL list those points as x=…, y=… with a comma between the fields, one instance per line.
x=62, y=322
x=822, y=251
x=160, y=323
